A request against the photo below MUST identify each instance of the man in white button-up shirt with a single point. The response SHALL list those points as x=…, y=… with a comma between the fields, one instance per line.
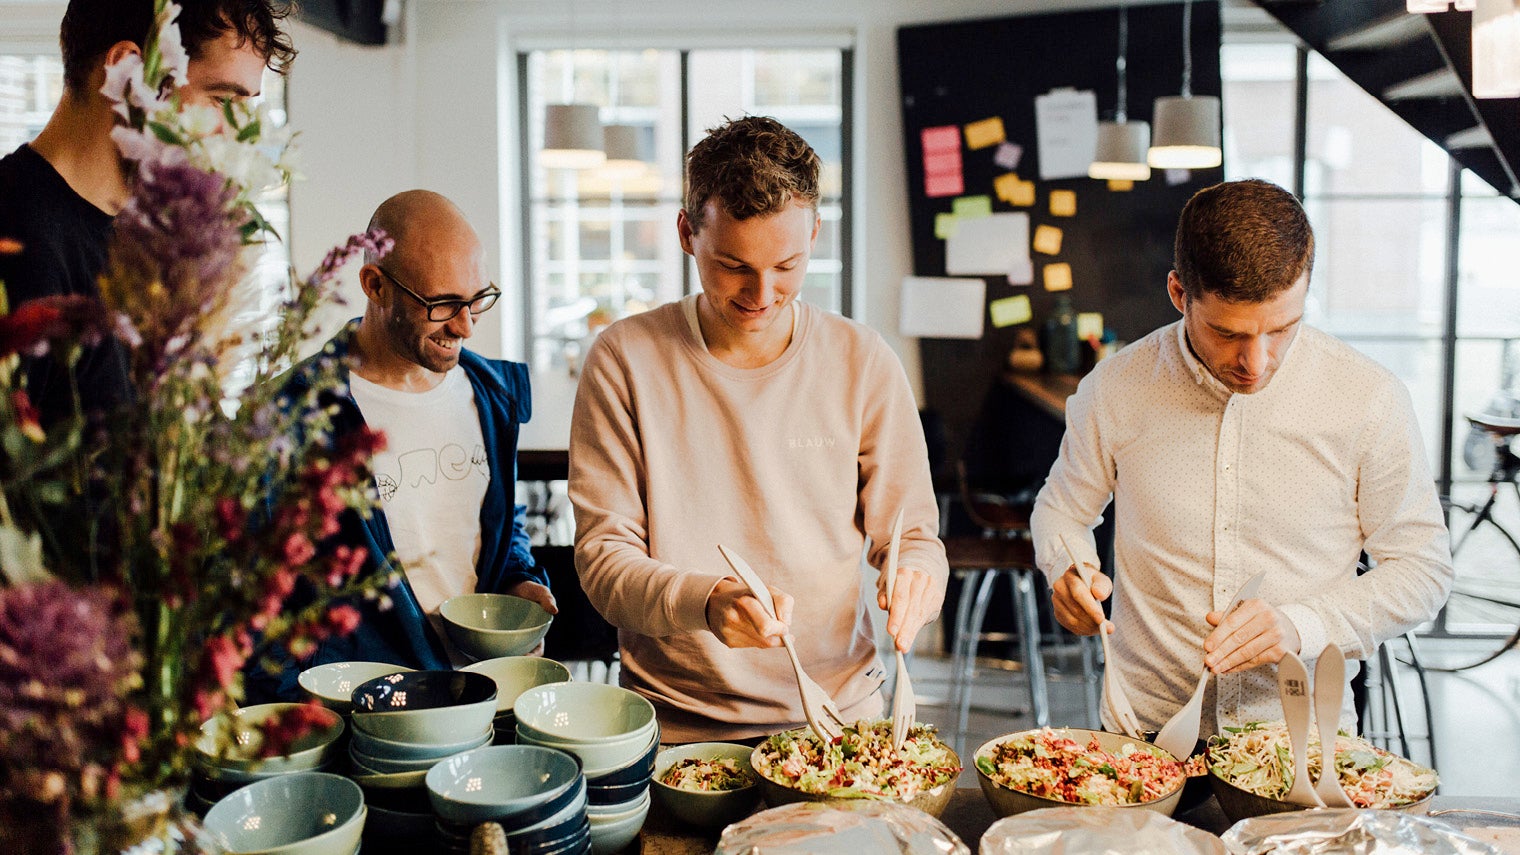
x=1235, y=441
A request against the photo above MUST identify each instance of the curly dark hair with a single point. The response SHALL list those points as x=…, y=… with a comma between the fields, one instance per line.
x=90, y=27
x=1243, y=241
x=753, y=166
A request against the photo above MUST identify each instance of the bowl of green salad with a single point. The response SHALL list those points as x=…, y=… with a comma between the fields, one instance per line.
x=705, y=784
x=795, y=766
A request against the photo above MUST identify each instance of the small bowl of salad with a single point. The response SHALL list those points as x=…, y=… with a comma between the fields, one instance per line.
x=705, y=784
x=1251, y=770
x=1049, y=767
x=795, y=766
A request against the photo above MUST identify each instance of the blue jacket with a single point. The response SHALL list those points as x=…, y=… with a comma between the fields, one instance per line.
x=402, y=634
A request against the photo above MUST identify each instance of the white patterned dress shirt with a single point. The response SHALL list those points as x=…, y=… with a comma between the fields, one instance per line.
x=1210, y=487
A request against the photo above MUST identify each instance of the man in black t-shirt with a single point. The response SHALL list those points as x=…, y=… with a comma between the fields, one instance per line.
x=59, y=194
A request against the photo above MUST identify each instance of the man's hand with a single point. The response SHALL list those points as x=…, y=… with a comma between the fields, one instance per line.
x=1254, y=634
x=540, y=594
x=1077, y=603
x=738, y=619
x=913, y=605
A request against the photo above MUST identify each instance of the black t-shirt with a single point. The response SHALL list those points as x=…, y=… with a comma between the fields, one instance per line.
x=64, y=240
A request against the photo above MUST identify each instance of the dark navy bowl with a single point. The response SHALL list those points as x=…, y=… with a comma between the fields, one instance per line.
x=639, y=770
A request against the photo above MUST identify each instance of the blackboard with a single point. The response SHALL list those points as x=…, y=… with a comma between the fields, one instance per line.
x=1119, y=244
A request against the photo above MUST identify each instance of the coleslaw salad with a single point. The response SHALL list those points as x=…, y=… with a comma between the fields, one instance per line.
x=1258, y=758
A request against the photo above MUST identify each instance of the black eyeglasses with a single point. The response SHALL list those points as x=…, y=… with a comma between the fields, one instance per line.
x=445, y=310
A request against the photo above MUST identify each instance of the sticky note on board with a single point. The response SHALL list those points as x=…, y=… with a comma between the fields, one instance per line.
x=940, y=307
x=1047, y=240
x=1089, y=325
x=1010, y=310
x=987, y=132
x=967, y=207
x=1063, y=203
x=1120, y=185
x=987, y=246
x=1008, y=155
x=1014, y=190
x=1004, y=185
x=1058, y=277
x=944, y=226
x=1022, y=271
x=936, y=187
x=939, y=140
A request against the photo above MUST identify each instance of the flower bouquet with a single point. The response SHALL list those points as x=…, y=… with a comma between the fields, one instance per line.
x=144, y=547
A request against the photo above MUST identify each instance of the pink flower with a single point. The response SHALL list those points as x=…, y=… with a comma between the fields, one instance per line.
x=343, y=619
x=230, y=519
x=298, y=550
x=224, y=660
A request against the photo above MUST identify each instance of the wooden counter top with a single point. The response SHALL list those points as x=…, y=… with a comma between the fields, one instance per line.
x=1047, y=391
x=969, y=816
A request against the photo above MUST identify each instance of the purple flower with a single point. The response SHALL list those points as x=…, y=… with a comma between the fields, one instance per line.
x=66, y=660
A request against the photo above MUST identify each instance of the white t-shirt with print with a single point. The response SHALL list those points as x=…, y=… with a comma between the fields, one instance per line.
x=432, y=478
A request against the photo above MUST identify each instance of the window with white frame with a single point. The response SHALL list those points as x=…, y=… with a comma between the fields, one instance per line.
x=600, y=244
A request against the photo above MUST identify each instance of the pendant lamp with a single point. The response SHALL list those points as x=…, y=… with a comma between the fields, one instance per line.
x=1122, y=144
x=624, y=152
x=572, y=137
x=1187, y=125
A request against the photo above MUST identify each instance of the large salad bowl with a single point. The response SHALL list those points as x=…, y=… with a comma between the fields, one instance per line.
x=779, y=760
x=1006, y=799
x=1239, y=791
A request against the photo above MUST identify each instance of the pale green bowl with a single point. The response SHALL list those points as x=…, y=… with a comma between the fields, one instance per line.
x=703, y=809
x=307, y=813
x=517, y=674
x=487, y=626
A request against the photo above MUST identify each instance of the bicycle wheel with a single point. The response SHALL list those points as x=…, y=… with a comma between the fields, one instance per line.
x=1484, y=609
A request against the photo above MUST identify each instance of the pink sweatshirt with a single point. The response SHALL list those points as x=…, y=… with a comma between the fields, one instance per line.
x=673, y=452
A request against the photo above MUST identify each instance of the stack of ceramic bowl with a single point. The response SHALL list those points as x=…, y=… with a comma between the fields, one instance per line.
x=403, y=724
x=537, y=795
x=515, y=675
x=305, y=813
x=488, y=626
x=230, y=749
x=614, y=733
x=332, y=685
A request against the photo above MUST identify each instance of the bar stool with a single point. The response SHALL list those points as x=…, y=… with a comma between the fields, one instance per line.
x=1385, y=722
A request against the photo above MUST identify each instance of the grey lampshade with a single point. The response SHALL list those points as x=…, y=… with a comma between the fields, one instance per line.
x=1186, y=133
x=572, y=137
x=1121, y=152
x=625, y=150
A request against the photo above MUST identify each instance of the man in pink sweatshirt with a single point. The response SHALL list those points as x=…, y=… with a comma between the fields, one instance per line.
x=744, y=417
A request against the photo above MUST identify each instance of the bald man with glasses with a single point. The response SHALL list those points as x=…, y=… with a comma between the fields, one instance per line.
x=446, y=477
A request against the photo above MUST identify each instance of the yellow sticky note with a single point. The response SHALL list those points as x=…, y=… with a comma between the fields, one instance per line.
x=945, y=225
x=1010, y=310
x=967, y=207
x=1047, y=240
x=1058, y=277
x=1063, y=203
x=1120, y=185
x=1089, y=325
x=1023, y=194
x=987, y=132
x=1005, y=185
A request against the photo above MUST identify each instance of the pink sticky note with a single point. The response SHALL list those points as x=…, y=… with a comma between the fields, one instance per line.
x=944, y=184
x=942, y=164
x=1007, y=155
x=941, y=139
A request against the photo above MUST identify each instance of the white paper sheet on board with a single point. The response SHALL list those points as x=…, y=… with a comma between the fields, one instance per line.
x=1066, y=132
x=988, y=246
x=941, y=307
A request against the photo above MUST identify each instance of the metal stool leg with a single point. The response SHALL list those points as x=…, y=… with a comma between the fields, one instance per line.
x=1391, y=690
x=1430, y=715
x=969, y=582
x=1090, y=680
x=968, y=664
x=1029, y=639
